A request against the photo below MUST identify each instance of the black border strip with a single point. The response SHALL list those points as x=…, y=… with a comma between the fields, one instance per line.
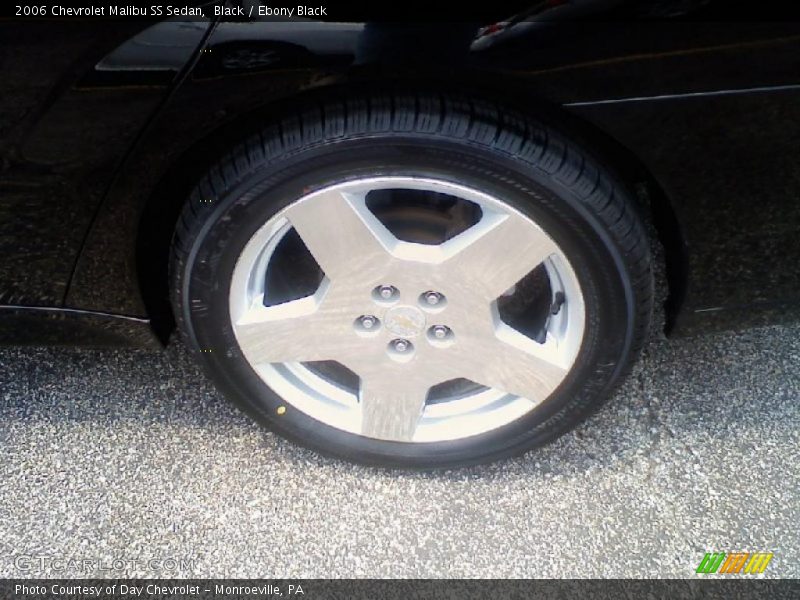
x=453, y=11
x=740, y=588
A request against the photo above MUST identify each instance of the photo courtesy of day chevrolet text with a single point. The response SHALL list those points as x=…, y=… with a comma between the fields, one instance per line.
x=131, y=590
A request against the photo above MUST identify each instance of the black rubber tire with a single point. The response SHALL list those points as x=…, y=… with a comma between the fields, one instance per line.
x=473, y=142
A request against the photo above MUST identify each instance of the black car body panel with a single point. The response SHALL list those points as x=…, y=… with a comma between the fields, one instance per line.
x=102, y=140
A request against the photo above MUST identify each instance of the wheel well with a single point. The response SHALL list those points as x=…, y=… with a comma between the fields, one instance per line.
x=156, y=227
x=669, y=250
x=161, y=211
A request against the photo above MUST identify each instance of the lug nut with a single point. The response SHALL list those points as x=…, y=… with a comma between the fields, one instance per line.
x=385, y=293
x=440, y=331
x=440, y=336
x=367, y=325
x=433, y=298
x=401, y=345
x=400, y=350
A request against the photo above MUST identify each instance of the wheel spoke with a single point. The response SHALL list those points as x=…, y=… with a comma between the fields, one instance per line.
x=514, y=364
x=391, y=406
x=341, y=233
x=295, y=331
x=498, y=251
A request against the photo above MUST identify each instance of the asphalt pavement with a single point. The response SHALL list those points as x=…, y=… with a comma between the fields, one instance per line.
x=129, y=463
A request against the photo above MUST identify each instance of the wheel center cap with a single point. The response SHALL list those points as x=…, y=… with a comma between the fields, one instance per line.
x=405, y=321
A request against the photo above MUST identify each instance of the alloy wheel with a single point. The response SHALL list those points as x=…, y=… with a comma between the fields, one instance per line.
x=400, y=339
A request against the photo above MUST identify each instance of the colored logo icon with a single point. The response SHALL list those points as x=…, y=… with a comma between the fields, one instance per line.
x=735, y=562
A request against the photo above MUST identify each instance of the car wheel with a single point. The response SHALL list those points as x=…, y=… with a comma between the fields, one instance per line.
x=412, y=280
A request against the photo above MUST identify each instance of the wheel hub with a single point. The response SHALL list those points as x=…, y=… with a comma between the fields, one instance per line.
x=405, y=321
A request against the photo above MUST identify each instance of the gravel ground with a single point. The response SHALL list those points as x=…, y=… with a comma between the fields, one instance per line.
x=122, y=457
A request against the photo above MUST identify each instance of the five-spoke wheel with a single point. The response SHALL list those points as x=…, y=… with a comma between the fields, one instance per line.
x=405, y=317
